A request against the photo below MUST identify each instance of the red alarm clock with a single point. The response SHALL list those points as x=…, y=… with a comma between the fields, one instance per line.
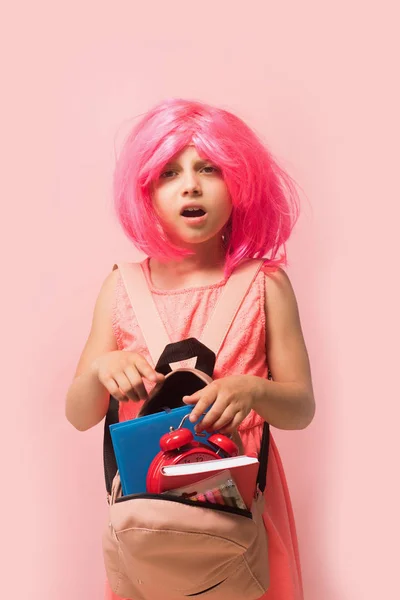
x=178, y=447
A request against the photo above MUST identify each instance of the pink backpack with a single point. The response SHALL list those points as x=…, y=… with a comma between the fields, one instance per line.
x=161, y=546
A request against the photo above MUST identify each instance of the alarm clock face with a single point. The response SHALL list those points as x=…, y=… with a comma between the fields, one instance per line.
x=195, y=456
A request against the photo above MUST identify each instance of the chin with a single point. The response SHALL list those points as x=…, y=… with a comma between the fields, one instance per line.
x=194, y=237
x=196, y=240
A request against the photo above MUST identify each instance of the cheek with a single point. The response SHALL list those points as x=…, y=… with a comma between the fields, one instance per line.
x=218, y=191
x=226, y=204
x=160, y=204
x=225, y=196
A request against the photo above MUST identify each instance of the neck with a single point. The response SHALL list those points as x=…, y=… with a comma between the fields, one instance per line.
x=205, y=267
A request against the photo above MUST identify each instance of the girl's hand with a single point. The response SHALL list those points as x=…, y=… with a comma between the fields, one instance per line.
x=121, y=374
x=231, y=398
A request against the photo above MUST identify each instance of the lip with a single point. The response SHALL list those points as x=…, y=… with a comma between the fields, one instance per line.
x=195, y=220
x=193, y=205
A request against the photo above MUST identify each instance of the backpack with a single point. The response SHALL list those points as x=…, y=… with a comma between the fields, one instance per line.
x=161, y=546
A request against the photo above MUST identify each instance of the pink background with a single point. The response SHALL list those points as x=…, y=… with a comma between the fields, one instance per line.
x=319, y=81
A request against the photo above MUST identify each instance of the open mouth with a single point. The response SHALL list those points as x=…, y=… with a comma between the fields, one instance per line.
x=193, y=212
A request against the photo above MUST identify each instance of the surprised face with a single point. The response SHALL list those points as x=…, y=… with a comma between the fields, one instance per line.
x=191, y=199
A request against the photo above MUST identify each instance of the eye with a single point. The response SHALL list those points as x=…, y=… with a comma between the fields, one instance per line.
x=167, y=174
x=210, y=169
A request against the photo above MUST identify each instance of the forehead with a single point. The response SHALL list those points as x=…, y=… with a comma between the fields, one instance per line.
x=189, y=154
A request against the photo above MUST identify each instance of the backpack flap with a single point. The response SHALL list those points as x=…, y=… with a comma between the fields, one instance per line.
x=182, y=381
x=164, y=547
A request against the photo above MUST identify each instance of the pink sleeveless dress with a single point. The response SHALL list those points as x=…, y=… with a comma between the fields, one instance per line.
x=184, y=313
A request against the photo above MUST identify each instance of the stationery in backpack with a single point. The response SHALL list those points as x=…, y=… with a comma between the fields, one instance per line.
x=219, y=489
x=242, y=469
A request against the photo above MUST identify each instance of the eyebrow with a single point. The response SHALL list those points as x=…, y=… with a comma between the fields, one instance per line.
x=198, y=163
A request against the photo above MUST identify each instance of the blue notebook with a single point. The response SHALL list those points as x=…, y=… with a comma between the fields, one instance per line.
x=136, y=442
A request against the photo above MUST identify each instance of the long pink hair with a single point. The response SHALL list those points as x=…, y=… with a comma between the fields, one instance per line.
x=264, y=197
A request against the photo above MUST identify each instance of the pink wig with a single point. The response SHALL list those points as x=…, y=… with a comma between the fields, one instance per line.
x=264, y=197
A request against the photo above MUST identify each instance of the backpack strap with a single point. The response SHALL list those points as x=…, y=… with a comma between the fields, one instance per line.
x=263, y=459
x=147, y=315
x=229, y=303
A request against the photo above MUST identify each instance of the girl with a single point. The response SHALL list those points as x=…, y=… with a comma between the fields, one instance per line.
x=197, y=191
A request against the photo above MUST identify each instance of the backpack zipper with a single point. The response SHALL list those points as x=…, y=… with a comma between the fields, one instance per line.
x=229, y=509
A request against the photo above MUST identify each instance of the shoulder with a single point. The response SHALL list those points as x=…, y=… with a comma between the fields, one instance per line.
x=280, y=299
x=276, y=274
x=110, y=282
x=277, y=284
x=120, y=283
x=106, y=295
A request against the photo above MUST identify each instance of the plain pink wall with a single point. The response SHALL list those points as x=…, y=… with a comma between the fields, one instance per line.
x=319, y=81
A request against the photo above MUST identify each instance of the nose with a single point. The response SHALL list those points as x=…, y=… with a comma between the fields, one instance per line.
x=191, y=185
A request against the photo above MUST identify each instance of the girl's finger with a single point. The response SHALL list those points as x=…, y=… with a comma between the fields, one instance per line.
x=205, y=400
x=112, y=387
x=125, y=386
x=214, y=414
x=191, y=399
x=234, y=424
x=136, y=383
x=146, y=370
x=225, y=419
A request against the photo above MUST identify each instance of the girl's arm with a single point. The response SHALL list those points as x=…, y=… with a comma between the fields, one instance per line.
x=287, y=402
x=103, y=369
x=87, y=399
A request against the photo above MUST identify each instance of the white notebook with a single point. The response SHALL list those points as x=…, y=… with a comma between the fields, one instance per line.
x=208, y=466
